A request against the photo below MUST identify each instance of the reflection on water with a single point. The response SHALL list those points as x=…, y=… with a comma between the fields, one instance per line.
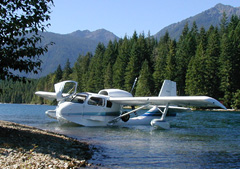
x=195, y=140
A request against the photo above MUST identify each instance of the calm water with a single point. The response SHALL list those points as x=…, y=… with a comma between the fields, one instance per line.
x=196, y=140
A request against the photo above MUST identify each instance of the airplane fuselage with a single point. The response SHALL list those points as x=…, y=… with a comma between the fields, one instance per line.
x=90, y=109
x=106, y=107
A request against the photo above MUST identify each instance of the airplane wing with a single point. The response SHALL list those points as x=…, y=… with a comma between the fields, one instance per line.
x=49, y=95
x=46, y=95
x=197, y=101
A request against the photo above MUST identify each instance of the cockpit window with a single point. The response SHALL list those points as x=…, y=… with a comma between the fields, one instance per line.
x=78, y=99
x=96, y=101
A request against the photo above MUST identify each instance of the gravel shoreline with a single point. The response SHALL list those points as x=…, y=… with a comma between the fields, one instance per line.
x=28, y=147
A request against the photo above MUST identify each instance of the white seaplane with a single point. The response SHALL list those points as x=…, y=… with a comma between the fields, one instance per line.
x=105, y=108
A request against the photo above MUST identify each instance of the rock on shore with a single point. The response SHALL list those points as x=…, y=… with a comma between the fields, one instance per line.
x=28, y=147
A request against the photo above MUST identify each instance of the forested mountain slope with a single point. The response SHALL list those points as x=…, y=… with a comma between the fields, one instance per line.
x=205, y=19
x=201, y=62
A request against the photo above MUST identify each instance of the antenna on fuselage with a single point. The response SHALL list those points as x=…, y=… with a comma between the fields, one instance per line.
x=135, y=81
x=134, y=85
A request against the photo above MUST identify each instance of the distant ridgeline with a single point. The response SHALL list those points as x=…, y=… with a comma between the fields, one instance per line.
x=202, y=62
x=204, y=19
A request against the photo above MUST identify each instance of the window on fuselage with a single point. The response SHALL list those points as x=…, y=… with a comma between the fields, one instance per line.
x=96, y=101
x=79, y=99
x=109, y=104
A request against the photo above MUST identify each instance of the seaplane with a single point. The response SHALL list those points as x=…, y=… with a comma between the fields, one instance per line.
x=107, y=107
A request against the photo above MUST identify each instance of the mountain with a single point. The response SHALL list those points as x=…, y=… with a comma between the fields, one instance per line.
x=205, y=19
x=70, y=46
x=100, y=35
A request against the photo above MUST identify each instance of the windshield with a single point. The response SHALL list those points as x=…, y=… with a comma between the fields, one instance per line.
x=78, y=99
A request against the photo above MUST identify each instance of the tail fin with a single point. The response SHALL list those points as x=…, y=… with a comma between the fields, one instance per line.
x=168, y=89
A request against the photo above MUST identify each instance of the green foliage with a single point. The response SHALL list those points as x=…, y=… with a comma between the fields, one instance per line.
x=59, y=73
x=236, y=100
x=20, y=24
x=17, y=92
x=67, y=71
x=195, y=77
x=145, y=82
x=170, y=72
x=182, y=58
x=119, y=67
x=132, y=70
x=80, y=71
x=160, y=57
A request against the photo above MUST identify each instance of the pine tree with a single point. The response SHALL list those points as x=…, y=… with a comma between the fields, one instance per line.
x=59, y=73
x=119, y=66
x=223, y=24
x=182, y=58
x=81, y=68
x=134, y=37
x=160, y=61
x=96, y=74
x=108, y=83
x=192, y=39
x=212, y=64
x=230, y=61
x=99, y=67
x=195, y=76
x=142, y=50
x=110, y=54
x=145, y=82
x=133, y=67
x=225, y=70
x=171, y=62
x=235, y=38
x=67, y=71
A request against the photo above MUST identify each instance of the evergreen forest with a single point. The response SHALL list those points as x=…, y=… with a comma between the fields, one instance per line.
x=201, y=62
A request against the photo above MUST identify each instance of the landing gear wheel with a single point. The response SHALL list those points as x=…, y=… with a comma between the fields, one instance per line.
x=125, y=118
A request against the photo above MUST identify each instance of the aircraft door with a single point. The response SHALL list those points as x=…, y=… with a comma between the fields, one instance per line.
x=78, y=107
x=94, y=109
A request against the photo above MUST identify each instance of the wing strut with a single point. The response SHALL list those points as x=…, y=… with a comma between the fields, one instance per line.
x=161, y=123
x=125, y=114
x=164, y=113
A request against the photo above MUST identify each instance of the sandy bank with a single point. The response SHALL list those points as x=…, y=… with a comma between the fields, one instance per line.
x=28, y=147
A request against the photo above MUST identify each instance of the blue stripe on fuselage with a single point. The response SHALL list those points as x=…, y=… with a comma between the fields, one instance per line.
x=94, y=114
x=152, y=114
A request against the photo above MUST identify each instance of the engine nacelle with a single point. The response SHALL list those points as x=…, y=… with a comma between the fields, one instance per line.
x=115, y=93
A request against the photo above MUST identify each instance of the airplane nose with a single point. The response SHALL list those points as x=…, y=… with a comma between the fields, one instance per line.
x=62, y=110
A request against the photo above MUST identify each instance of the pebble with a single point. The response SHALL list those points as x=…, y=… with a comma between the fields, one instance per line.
x=19, y=150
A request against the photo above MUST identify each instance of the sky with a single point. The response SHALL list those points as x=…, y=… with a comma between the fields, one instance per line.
x=123, y=17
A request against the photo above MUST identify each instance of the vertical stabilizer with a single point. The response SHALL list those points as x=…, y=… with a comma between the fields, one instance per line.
x=168, y=89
